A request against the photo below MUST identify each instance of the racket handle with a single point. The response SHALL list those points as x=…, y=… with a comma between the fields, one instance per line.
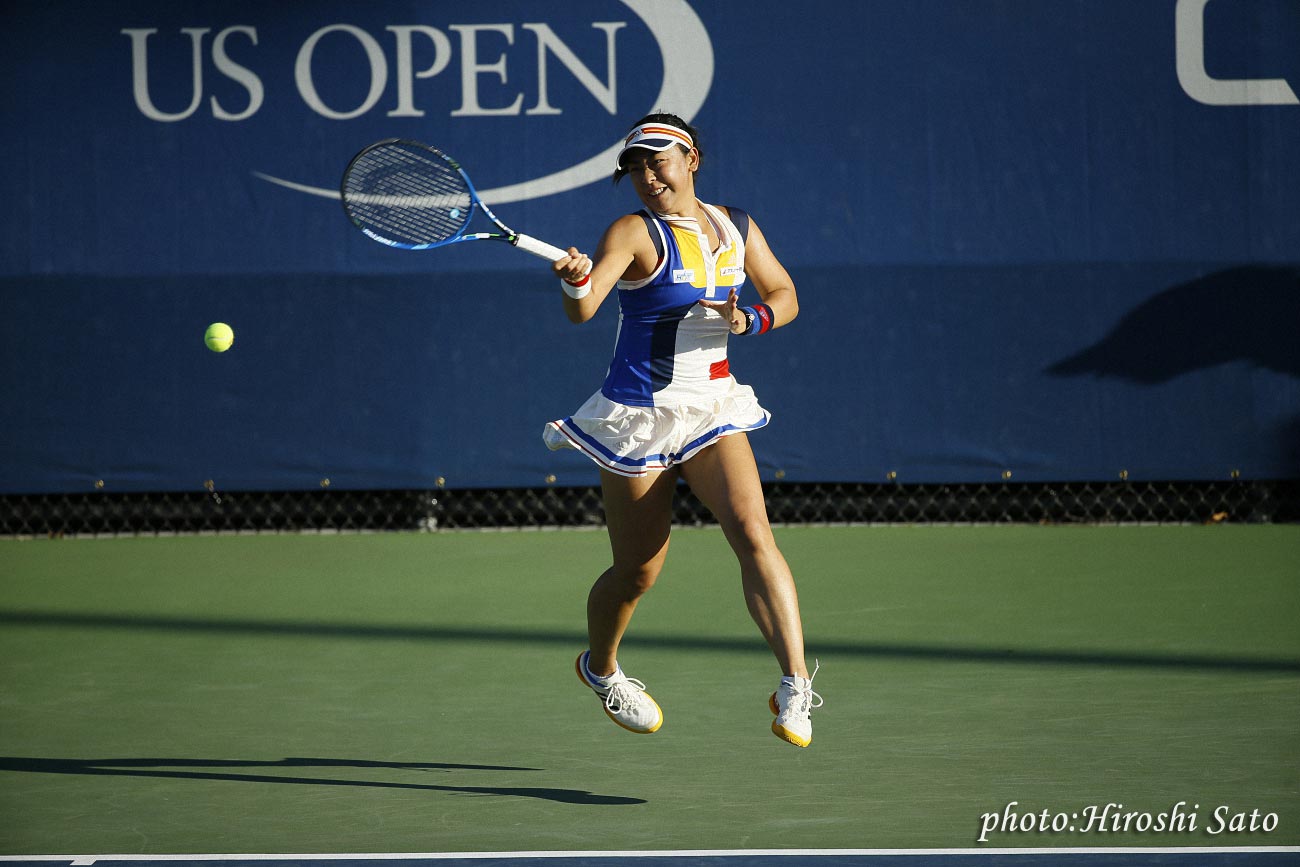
x=529, y=244
x=546, y=251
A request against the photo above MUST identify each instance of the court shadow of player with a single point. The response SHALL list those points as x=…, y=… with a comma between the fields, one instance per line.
x=189, y=769
x=1250, y=314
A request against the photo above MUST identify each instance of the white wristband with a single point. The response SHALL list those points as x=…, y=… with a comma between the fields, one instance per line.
x=576, y=290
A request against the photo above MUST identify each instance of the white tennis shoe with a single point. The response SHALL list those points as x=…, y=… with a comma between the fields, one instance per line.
x=793, y=703
x=625, y=699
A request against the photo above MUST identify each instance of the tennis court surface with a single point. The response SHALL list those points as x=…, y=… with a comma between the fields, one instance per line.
x=362, y=694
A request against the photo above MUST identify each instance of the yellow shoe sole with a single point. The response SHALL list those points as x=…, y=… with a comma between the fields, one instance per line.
x=577, y=668
x=781, y=731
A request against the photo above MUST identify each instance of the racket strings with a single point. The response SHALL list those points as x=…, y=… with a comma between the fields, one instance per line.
x=407, y=196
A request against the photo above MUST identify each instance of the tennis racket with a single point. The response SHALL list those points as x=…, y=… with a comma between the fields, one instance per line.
x=408, y=195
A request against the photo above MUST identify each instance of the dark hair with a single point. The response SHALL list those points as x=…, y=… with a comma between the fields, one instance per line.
x=671, y=120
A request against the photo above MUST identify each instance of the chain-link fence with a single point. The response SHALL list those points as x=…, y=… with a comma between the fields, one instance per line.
x=332, y=510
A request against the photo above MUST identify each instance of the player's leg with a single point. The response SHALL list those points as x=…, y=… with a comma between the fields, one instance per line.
x=638, y=514
x=726, y=480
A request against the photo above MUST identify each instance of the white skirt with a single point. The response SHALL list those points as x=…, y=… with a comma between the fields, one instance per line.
x=635, y=440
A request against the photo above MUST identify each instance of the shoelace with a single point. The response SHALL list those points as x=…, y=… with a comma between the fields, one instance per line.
x=809, y=700
x=625, y=693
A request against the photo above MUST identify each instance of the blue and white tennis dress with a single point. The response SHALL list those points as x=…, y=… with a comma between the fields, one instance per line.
x=669, y=391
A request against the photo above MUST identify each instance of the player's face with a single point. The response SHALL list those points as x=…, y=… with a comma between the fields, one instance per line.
x=664, y=180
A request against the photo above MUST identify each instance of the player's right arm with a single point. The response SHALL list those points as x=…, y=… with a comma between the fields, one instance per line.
x=625, y=251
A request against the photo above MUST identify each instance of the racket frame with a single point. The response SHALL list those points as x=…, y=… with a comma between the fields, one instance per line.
x=524, y=242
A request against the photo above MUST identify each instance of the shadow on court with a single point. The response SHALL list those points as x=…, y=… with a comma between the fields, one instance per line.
x=477, y=634
x=163, y=768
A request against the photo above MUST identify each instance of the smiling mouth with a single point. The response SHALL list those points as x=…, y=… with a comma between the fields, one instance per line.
x=655, y=193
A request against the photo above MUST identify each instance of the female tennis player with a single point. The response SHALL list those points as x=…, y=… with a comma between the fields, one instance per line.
x=670, y=408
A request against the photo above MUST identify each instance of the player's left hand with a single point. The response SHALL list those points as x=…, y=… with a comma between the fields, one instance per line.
x=729, y=310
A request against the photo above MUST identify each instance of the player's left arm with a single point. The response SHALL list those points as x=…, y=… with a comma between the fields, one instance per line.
x=772, y=281
x=770, y=278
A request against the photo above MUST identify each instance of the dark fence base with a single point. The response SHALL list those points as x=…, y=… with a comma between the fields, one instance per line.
x=102, y=513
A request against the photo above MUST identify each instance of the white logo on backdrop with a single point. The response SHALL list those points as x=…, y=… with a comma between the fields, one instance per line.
x=688, y=75
x=1189, y=37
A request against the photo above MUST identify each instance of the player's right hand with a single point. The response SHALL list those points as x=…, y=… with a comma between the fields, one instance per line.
x=573, y=267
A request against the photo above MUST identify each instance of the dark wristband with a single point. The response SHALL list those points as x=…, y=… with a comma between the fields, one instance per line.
x=760, y=319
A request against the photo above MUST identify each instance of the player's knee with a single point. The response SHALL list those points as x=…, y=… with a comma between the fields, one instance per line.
x=643, y=578
x=637, y=578
x=751, y=536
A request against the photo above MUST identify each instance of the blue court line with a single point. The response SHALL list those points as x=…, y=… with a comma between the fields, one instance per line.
x=1279, y=856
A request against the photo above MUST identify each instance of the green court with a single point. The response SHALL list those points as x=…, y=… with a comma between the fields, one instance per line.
x=416, y=693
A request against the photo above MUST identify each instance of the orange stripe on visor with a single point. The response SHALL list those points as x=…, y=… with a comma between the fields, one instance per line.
x=655, y=137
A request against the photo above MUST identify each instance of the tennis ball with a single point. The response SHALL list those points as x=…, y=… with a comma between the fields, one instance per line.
x=218, y=337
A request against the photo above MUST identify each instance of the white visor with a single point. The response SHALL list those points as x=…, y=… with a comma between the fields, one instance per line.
x=655, y=137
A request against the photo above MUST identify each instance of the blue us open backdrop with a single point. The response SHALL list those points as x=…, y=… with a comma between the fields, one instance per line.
x=1060, y=239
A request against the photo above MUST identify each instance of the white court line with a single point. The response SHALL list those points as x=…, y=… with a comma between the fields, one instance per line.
x=86, y=860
